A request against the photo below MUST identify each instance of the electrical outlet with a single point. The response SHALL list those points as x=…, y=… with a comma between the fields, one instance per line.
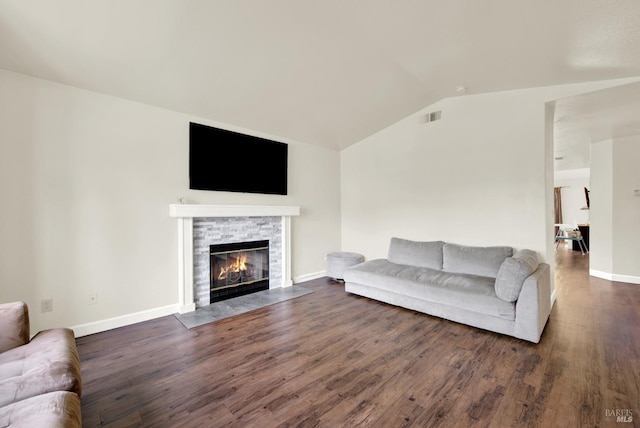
x=46, y=305
x=93, y=298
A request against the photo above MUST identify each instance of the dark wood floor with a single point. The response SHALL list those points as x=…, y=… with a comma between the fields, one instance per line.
x=331, y=359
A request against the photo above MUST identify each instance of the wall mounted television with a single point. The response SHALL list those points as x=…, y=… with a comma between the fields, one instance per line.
x=233, y=162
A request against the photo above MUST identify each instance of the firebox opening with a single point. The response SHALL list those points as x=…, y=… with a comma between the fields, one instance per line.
x=238, y=268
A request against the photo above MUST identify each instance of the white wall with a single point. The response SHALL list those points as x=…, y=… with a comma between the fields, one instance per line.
x=573, y=183
x=85, y=186
x=476, y=177
x=615, y=209
x=600, y=232
x=626, y=207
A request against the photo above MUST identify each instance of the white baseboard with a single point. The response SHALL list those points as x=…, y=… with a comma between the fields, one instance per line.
x=309, y=277
x=186, y=308
x=553, y=298
x=614, y=277
x=124, y=320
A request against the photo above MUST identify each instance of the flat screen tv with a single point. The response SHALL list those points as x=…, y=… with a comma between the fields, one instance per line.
x=229, y=161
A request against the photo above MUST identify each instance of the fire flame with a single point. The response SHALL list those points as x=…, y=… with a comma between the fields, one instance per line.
x=236, y=266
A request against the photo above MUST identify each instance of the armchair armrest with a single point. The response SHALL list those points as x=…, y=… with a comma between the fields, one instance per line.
x=14, y=325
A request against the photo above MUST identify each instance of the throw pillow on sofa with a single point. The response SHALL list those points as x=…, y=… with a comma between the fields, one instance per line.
x=513, y=272
x=482, y=261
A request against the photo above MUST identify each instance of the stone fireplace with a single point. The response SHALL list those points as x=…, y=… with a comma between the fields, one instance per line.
x=202, y=226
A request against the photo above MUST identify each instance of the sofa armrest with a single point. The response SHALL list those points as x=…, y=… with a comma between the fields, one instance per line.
x=534, y=304
x=14, y=325
x=49, y=362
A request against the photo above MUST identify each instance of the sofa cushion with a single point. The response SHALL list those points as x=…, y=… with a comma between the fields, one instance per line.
x=470, y=292
x=513, y=272
x=483, y=261
x=414, y=253
x=14, y=319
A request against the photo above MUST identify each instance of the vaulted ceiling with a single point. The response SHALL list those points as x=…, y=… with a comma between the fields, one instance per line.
x=325, y=72
x=585, y=119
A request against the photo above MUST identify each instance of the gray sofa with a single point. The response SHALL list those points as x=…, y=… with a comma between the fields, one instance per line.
x=486, y=287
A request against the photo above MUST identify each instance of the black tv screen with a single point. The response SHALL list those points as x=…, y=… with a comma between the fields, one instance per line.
x=229, y=161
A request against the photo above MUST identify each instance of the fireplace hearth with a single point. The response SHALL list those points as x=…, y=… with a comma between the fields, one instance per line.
x=238, y=268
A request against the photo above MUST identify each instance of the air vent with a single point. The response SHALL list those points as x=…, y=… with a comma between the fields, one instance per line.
x=432, y=117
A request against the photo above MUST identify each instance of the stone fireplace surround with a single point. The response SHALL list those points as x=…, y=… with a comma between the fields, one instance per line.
x=198, y=224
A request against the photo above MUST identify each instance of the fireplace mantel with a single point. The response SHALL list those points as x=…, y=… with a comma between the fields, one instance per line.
x=185, y=213
x=202, y=210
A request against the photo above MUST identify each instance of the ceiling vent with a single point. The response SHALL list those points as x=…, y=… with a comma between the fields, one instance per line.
x=432, y=117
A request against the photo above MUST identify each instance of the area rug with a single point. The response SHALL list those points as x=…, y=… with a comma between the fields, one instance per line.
x=239, y=305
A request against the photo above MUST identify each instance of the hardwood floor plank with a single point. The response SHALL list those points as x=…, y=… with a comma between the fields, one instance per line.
x=331, y=359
